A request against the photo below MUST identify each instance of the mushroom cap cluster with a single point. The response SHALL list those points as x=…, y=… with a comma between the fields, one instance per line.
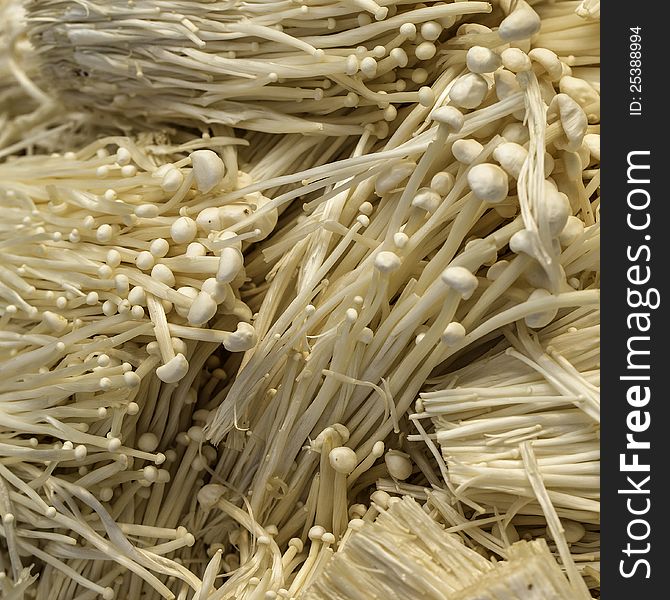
x=282, y=282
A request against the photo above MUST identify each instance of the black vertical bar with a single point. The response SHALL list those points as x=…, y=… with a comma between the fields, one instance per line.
x=634, y=123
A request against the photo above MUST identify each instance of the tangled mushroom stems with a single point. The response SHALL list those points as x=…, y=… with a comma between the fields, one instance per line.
x=299, y=300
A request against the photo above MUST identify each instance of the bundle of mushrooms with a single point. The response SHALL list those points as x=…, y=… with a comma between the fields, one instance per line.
x=299, y=300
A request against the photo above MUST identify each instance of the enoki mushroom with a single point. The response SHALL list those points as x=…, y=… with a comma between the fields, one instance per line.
x=299, y=300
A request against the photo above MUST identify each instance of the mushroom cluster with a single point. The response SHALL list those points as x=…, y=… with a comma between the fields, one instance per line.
x=293, y=292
